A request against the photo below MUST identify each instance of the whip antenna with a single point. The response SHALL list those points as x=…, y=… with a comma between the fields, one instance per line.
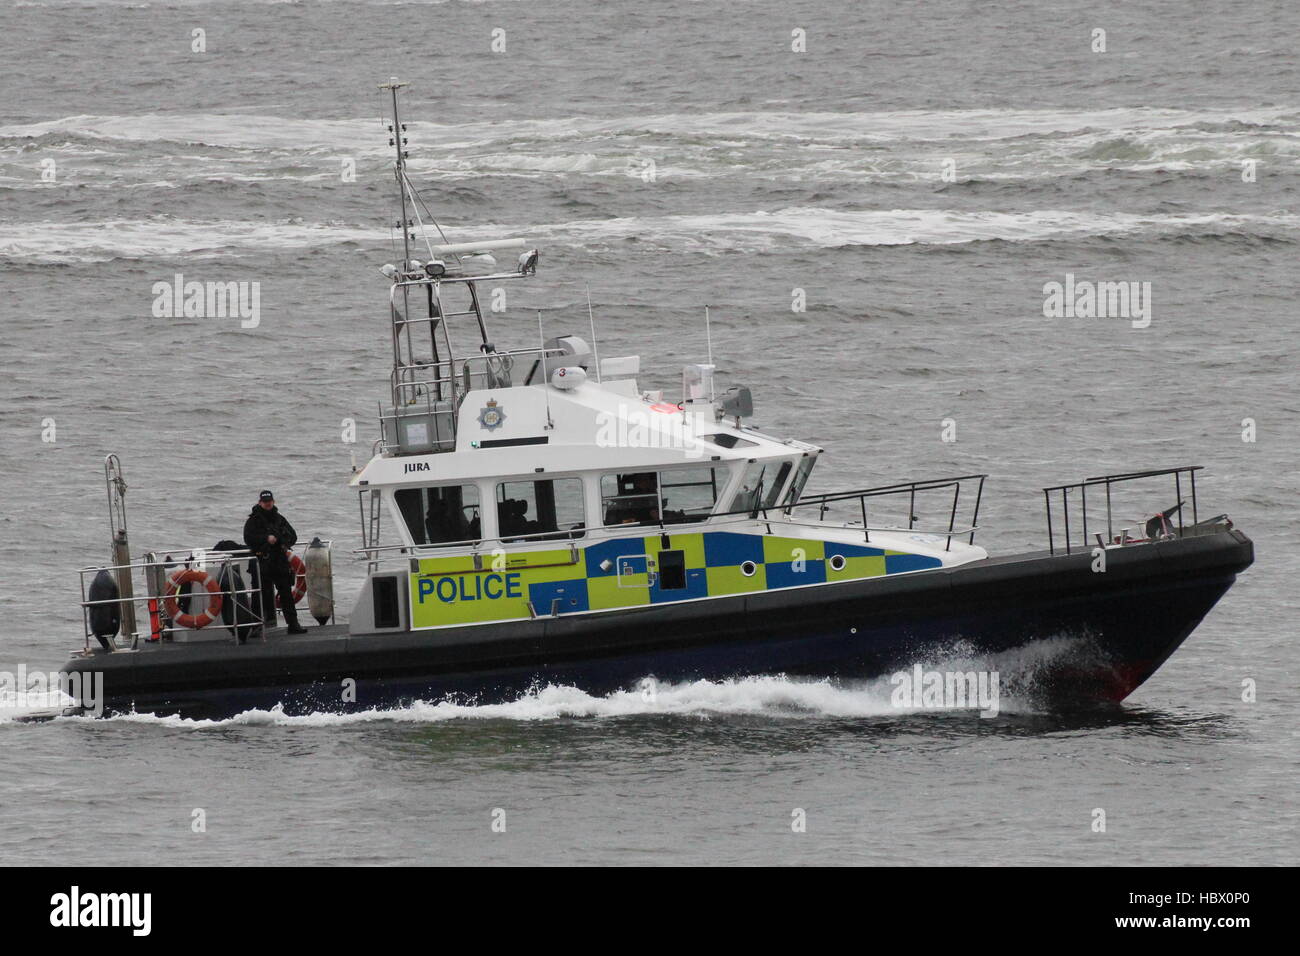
x=708, y=339
x=546, y=375
x=595, y=352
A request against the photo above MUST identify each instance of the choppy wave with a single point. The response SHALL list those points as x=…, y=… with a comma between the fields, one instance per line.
x=168, y=4
x=102, y=150
x=252, y=130
x=162, y=237
x=831, y=229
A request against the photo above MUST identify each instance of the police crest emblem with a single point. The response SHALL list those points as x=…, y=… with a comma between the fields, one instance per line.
x=491, y=417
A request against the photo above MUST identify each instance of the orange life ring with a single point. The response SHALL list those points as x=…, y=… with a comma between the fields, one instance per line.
x=186, y=576
x=299, y=579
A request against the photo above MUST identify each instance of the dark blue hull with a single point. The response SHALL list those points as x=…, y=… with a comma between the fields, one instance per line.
x=1057, y=632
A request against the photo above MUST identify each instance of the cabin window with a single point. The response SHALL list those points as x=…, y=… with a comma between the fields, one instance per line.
x=672, y=496
x=800, y=479
x=689, y=494
x=441, y=515
x=761, y=485
x=630, y=498
x=544, y=509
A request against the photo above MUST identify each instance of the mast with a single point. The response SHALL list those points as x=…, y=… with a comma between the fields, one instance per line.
x=397, y=139
x=398, y=142
x=428, y=379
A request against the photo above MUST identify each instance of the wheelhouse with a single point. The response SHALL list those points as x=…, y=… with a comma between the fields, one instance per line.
x=521, y=509
x=551, y=465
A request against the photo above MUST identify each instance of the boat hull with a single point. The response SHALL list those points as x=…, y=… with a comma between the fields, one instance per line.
x=1063, y=634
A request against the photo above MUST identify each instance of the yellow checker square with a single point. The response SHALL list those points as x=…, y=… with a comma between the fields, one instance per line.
x=603, y=592
x=500, y=561
x=872, y=566
x=561, y=572
x=730, y=580
x=466, y=598
x=458, y=564
x=781, y=550
x=533, y=559
x=692, y=546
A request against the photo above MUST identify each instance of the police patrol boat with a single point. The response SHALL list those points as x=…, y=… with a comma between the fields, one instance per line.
x=531, y=515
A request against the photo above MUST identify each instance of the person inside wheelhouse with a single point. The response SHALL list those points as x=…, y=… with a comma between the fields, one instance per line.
x=542, y=510
x=635, y=501
x=672, y=496
x=446, y=521
x=444, y=515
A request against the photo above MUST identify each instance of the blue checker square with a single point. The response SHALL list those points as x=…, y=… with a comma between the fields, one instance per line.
x=610, y=551
x=697, y=586
x=781, y=574
x=894, y=563
x=727, y=549
x=572, y=596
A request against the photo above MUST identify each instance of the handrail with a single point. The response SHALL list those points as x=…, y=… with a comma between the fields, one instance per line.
x=611, y=532
x=178, y=555
x=168, y=558
x=448, y=279
x=457, y=364
x=421, y=388
x=1107, y=481
x=531, y=537
x=907, y=487
x=920, y=485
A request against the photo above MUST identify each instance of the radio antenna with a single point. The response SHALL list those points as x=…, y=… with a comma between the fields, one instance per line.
x=546, y=375
x=397, y=139
x=595, y=352
x=708, y=338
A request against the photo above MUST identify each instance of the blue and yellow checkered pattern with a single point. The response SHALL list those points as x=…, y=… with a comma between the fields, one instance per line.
x=620, y=573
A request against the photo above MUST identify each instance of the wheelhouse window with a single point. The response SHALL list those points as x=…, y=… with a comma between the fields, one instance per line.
x=545, y=509
x=761, y=485
x=800, y=479
x=672, y=496
x=630, y=498
x=441, y=515
x=689, y=494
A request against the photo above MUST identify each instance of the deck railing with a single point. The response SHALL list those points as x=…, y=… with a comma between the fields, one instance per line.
x=1183, y=479
x=785, y=513
x=911, y=489
x=151, y=591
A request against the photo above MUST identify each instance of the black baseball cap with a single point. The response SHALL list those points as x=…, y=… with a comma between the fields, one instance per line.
x=266, y=496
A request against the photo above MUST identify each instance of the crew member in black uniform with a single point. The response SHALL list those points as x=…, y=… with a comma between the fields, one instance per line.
x=268, y=534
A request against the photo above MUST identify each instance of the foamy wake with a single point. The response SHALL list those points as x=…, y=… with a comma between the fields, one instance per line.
x=776, y=697
x=21, y=706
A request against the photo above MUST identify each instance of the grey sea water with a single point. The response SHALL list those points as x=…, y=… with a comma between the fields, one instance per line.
x=669, y=156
